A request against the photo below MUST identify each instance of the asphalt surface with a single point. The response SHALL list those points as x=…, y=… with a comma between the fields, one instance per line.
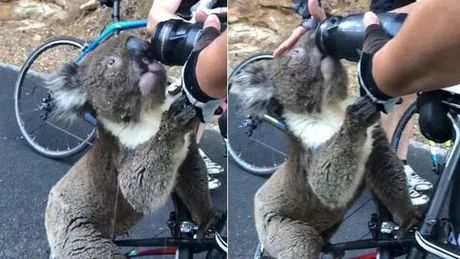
x=243, y=185
x=26, y=178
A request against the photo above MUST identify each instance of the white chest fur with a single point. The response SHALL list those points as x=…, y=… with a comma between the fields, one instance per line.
x=131, y=135
x=315, y=129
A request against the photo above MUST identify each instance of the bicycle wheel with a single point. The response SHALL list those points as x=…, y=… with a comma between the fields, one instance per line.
x=407, y=115
x=256, y=147
x=33, y=107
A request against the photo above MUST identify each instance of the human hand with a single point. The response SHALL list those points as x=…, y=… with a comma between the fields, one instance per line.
x=205, y=104
x=211, y=30
x=374, y=39
x=202, y=14
x=317, y=15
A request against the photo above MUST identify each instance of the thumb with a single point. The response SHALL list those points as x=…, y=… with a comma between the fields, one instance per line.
x=369, y=19
x=375, y=37
x=316, y=11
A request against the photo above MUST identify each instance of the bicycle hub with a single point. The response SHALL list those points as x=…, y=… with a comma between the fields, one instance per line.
x=342, y=37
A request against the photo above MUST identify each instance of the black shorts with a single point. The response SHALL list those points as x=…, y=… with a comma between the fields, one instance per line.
x=388, y=5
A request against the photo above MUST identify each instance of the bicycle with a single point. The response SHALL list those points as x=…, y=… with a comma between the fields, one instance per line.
x=427, y=238
x=183, y=241
x=435, y=148
x=255, y=130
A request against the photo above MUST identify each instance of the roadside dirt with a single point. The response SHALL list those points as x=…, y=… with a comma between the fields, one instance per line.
x=18, y=38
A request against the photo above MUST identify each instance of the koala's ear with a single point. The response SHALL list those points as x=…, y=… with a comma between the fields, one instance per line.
x=68, y=94
x=255, y=90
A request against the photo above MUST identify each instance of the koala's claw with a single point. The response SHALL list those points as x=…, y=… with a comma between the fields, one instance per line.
x=363, y=112
x=182, y=115
x=216, y=222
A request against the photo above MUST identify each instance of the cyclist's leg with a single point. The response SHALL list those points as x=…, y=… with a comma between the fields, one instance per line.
x=389, y=122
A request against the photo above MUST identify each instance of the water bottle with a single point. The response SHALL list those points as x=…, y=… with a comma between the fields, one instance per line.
x=342, y=37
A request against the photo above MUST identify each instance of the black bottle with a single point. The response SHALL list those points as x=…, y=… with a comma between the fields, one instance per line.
x=342, y=37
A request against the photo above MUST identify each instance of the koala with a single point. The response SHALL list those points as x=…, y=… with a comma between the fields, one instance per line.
x=145, y=150
x=336, y=148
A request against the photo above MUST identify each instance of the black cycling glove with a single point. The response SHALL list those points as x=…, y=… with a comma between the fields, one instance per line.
x=204, y=103
x=374, y=39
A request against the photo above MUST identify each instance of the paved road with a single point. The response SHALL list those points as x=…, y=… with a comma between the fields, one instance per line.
x=242, y=187
x=26, y=178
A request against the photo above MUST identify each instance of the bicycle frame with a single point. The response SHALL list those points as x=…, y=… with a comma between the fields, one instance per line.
x=178, y=241
x=422, y=242
x=113, y=28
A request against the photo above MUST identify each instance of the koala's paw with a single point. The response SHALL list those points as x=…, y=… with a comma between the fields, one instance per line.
x=182, y=116
x=406, y=226
x=216, y=223
x=363, y=112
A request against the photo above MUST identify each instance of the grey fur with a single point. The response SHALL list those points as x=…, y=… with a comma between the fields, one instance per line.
x=303, y=203
x=111, y=187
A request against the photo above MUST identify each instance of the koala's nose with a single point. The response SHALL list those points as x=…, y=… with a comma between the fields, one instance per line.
x=137, y=47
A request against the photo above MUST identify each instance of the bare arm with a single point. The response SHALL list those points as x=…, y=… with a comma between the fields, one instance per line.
x=211, y=68
x=425, y=54
x=162, y=10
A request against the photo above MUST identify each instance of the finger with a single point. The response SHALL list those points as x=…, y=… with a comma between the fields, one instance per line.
x=280, y=50
x=316, y=11
x=200, y=16
x=218, y=10
x=370, y=18
x=212, y=21
x=291, y=41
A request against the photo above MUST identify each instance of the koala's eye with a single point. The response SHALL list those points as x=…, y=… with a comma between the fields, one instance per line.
x=111, y=62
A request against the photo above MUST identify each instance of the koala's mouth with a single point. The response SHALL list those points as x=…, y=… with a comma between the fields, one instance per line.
x=150, y=78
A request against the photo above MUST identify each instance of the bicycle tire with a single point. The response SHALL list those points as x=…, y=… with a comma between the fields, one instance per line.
x=405, y=118
x=54, y=42
x=241, y=162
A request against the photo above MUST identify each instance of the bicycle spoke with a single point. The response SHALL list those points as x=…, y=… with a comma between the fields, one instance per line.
x=39, y=127
x=29, y=119
x=273, y=158
x=267, y=146
x=65, y=131
x=356, y=210
x=365, y=235
x=67, y=141
x=35, y=110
